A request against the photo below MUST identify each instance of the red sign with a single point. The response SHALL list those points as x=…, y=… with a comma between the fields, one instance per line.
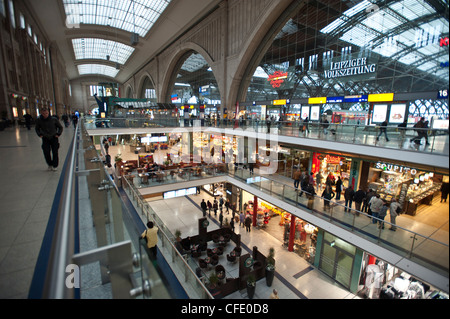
x=333, y=159
x=443, y=42
x=277, y=78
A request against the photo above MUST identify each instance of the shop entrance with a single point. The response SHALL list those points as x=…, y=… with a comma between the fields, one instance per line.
x=337, y=261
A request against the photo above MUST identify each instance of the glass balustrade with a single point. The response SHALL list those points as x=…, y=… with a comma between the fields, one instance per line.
x=424, y=250
x=436, y=141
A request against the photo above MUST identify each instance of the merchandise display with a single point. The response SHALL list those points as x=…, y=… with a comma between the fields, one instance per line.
x=410, y=187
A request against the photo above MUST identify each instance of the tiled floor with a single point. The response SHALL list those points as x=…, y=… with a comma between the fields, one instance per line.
x=27, y=190
x=182, y=213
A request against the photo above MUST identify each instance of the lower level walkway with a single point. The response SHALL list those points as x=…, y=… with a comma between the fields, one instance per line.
x=295, y=278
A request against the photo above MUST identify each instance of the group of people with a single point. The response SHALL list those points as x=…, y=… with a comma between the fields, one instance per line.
x=367, y=202
x=371, y=203
x=421, y=127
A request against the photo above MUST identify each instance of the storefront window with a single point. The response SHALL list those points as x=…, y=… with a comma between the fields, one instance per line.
x=337, y=258
x=277, y=222
x=409, y=186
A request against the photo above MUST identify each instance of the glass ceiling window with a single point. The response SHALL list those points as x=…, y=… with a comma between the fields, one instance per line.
x=84, y=69
x=92, y=48
x=395, y=44
x=373, y=31
x=134, y=16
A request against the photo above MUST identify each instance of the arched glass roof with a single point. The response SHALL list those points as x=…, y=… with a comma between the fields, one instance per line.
x=93, y=48
x=96, y=69
x=136, y=16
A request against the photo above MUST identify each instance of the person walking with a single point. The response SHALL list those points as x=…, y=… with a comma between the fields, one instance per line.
x=327, y=196
x=419, y=128
x=338, y=188
x=297, y=176
x=306, y=125
x=28, y=119
x=394, y=210
x=248, y=223
x=204, y=206
x=383, y=129
x=49, y=129
x=74, y=120
x=382, y=214
x=366, y=206
x=358, y=198
x=376, y=203
x=319, y=179
x=209, y=207
x=227, y=206
x=215, y=207
x=232, y=224
x=221, y=218
x=348, y=195
x=151, y=235
x=325, y=124
x=402, y=130
x=304, y=182
x=444, y=192
x=241, y=219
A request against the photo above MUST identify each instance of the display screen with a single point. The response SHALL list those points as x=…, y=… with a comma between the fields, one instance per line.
x=356, y=98
x=441, y=124
x=305, y=112
x=335, y=99
x=379, y=113
x=315, y=113
x=170, y=194
x=397, y=114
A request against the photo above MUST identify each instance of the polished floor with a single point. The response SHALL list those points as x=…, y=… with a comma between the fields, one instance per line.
x=27, y=191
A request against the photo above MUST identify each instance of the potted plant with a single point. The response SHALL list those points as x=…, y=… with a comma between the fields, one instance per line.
x=213, y=281
x=251, y=286
x=270, y=266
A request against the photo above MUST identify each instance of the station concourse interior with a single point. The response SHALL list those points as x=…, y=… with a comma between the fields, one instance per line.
x=202, y=100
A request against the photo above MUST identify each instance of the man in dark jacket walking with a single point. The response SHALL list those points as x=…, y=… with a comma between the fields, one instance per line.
x=348, y=195
x=49, y=129
x=359, y=197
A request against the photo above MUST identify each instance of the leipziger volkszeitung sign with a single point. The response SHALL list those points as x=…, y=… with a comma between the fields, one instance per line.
x=353, y=67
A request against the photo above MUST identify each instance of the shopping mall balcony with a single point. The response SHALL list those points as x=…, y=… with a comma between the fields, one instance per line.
x=119, y=211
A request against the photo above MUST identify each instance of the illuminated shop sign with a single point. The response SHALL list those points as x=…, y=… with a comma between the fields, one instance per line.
x=335, y=99
x=279, y=102
x=353, y=67
x=443, y=42
x=395, y=168
x=356, y=98
x=277, y=78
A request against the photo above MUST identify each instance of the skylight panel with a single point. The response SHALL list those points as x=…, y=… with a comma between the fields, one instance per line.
x=94, y=48
x=130, y=15
x=347, y=14
x=84, y=69
x=358, y=36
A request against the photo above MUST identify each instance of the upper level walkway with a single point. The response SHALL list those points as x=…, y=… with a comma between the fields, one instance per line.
x=347, y=139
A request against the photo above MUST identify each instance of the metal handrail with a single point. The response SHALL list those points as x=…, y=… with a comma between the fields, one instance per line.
x=138, y=196
x=63, y=243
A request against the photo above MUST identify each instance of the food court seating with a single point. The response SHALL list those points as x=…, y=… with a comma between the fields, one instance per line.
x=231, y=259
